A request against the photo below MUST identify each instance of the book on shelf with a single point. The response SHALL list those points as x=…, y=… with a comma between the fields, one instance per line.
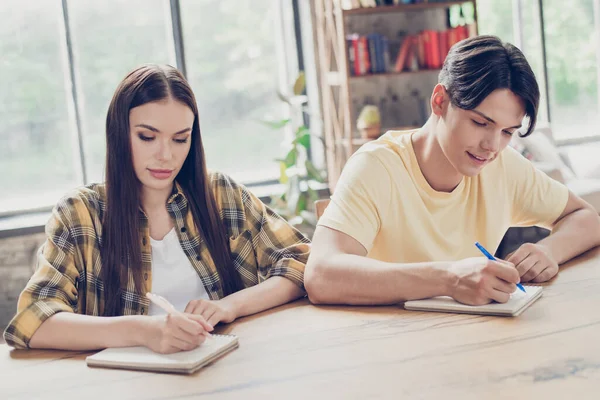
x=354, y=4
x=428, y=49
x=405, y=48
x=374, y=53
x=367, y=54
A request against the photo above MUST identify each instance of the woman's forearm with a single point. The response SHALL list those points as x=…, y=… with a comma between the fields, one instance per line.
x=268, y=294
x=69, y=331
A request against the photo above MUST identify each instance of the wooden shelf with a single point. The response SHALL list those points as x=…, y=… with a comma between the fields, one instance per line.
x=401, y=8
x=390, y=74
x=340, y=90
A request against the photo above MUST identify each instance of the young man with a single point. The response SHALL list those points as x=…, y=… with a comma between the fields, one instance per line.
x=408, y=207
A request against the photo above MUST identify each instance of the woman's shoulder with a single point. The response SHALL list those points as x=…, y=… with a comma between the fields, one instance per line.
x=89, y=200
x=219, y=179
x=234, y=200
x=228, y=193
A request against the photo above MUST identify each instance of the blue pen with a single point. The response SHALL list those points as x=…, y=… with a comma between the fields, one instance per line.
x=491, y=257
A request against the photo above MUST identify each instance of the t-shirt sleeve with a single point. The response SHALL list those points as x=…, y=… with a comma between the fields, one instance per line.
x=536, y=198
x=360, y=199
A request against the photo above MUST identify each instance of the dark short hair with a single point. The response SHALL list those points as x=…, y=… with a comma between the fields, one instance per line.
x=477, y=66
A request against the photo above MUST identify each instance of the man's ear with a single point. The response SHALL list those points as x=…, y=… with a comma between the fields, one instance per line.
x=439, y=100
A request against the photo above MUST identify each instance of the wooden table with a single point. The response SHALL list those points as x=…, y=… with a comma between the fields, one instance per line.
x=300, y=351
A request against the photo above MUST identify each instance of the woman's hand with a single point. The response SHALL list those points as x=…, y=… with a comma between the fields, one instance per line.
x=174, y=332
x=213, y=311
x=534, y=263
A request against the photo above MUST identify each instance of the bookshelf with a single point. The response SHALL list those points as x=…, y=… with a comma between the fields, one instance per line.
x=401, y=96
x=401, y=8
x=391, y=74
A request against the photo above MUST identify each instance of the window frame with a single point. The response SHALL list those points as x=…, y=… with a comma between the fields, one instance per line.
x=518, y=37
x=290, y=69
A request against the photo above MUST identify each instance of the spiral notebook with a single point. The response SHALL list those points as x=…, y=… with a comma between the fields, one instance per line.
x=517, y=303
x=185, y=362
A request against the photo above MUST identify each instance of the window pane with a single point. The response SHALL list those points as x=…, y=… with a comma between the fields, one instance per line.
x=495, y=18
x=110, y=38
x=572, y=68
x=532, y=48
x=36, y=140
x=232, y=65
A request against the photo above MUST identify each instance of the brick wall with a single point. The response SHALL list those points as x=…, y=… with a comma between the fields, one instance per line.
x=17, y=257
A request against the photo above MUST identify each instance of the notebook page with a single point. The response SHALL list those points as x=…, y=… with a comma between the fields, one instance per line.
x=143, y=357
x=517, y=303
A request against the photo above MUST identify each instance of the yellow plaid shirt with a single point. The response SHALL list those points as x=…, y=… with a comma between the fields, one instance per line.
x=67, y=277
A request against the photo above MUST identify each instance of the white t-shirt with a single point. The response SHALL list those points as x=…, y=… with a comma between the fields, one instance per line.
x=173, y=276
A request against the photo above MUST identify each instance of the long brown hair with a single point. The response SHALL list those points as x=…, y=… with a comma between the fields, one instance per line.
x=121, y=242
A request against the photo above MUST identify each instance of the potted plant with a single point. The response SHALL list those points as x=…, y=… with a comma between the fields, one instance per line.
x=298, y=174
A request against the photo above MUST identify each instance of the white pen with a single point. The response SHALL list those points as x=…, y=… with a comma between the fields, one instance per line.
x=168, y=307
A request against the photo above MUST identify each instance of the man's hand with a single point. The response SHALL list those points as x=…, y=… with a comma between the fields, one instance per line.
x=478, y=281
x=534, y=263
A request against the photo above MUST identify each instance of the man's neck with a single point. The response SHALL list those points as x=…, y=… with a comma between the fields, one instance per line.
x=437, y=170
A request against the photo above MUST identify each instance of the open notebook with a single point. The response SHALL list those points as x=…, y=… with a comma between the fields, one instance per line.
x=142, y=358
x=518, y=302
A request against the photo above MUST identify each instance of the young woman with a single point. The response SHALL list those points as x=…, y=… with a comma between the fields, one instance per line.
x=409, y=207
x=162, y=224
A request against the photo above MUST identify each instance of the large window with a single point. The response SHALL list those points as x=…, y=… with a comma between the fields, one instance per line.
x=496, y=18
x=62, y=60
x=110, y=38
x=566, y=35
x=572, y=68
x=37, y=157
x=232, y=64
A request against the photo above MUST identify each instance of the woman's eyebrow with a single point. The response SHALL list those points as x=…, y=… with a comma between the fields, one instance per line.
x=153, y=129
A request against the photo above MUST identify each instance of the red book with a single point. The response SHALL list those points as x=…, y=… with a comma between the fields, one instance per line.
x=412, y=64
x=434, y=49
x=420, y=50
x=426, y=49
x=453, y=36
x=443, y=36
x=363, y=47
x=463, y=32
x=403, y=53
x=356, y=58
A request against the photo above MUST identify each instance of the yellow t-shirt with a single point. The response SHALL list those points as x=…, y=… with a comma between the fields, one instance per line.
x=384, y=202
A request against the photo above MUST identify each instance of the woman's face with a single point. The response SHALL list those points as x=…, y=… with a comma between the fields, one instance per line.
x=471, y=139
x=160, y=134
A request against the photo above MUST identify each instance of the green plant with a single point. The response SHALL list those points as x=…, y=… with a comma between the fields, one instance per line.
x=298, y=174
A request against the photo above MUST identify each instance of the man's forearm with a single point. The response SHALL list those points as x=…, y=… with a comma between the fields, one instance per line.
x=357, y=280
x=573, y=235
